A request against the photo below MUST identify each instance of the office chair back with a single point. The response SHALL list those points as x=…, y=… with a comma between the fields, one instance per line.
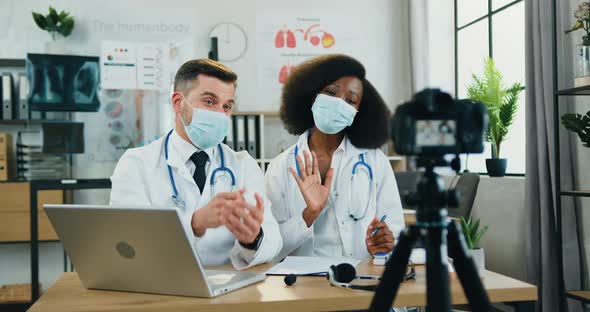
x=406, y=183
x=467, y=187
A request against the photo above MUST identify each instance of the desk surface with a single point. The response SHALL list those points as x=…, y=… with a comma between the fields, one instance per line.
x=308, y=294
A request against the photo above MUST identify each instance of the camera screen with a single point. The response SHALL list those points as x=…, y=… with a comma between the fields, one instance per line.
x=435, y=133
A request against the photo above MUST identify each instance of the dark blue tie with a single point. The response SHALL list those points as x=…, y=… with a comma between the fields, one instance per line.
x=200, y=161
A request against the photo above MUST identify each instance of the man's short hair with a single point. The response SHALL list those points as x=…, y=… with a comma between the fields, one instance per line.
x=189, y=71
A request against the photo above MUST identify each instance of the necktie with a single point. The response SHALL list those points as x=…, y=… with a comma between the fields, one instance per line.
x=200, y=161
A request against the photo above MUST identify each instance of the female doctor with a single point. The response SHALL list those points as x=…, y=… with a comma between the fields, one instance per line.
x=330, y=191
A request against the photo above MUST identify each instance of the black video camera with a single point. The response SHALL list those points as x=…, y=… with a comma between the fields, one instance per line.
x=433, y=124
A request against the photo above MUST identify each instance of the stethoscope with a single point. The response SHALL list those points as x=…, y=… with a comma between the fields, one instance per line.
x=360, y=163
x=178, y=201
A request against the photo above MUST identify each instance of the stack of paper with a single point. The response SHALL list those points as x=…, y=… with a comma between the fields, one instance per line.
x=308, y=265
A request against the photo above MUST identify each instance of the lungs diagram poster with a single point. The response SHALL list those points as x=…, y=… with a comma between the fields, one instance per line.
x=285, y=39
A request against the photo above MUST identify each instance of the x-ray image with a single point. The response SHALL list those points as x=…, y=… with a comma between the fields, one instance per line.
x=63, y=82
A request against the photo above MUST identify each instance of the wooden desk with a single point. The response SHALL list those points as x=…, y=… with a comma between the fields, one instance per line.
x=308, y=294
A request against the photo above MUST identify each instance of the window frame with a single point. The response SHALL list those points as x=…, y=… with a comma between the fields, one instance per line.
x=489, y=16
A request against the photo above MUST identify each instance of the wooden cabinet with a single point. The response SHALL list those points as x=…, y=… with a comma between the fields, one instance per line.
x=15, y=212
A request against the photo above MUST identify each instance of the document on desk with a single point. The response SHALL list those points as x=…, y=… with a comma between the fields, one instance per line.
x=418, y=256
x=308, y=265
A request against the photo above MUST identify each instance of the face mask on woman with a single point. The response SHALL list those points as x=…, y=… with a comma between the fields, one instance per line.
x=332, y=114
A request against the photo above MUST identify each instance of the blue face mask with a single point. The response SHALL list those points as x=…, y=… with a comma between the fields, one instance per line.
x=207, y=128
x=332, y=114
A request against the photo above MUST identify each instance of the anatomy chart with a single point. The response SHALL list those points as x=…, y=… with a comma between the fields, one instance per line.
x=286, y=39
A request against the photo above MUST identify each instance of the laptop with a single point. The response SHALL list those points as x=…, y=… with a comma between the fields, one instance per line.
x=138, y=250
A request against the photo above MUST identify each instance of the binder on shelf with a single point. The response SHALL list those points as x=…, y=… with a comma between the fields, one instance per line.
x=240, y=133
x=7, y=96
x=230, y=138
x=5, y=157
x=23, y=94
x=252, y=136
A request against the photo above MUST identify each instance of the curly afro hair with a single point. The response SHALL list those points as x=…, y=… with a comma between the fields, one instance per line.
x=369, y=129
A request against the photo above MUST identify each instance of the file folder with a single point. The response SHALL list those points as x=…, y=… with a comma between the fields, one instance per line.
x=240, y=134
x=230, y=138
x=23, y=94
x=7, y=96
x=251, y=136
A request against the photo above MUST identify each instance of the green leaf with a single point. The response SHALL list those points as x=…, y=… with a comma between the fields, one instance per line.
x=40, y=20
x=474, y=228
x=51, y=19
x=471, y=231
x=501, y=102
x=62, y=15
x=479, y=235
x=53, y=13
x=466, y=233
x=66, y=26
x=579, y=124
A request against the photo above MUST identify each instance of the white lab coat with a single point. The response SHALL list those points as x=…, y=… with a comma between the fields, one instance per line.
x=288, y=203
x=141, y=179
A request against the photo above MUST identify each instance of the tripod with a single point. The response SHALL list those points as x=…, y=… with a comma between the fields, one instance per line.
x=434, y=231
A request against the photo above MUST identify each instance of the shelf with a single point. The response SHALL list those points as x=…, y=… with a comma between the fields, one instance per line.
x=266, y=114
x=575, y=91
x=14, y=181
x=576, y=193
x=581, y=295
x=19, y=122
x=27, y=242
x=15, y=122
x=12, y=63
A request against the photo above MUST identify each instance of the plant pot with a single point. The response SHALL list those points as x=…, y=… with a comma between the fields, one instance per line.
x=583, y=66
x=479, y=259
x=496, y=166
x=57, y=46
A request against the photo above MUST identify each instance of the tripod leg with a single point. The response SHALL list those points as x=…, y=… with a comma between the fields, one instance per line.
x=467, y=271
x=438, y=295
x=395, y=270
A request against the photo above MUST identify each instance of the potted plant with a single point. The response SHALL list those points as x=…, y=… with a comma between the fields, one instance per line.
x=502, y=104
x=582, y=16
x=580, y=124
x=57, y=24
x=472, y=235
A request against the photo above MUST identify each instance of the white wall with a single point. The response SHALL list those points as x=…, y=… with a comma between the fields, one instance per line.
x=500, y=205
x=433, y=56
x=382, y=49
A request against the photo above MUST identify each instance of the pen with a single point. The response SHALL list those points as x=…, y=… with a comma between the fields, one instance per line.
x=375, y=230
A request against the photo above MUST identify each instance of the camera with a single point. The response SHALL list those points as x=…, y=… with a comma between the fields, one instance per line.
x=433, y=124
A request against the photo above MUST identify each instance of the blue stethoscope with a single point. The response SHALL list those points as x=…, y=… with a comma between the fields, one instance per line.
x=360, y=163
x=178, y=201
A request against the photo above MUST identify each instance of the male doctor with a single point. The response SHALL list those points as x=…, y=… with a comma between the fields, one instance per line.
x=219, y=192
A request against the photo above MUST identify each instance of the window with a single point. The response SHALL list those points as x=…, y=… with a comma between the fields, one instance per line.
x=493, y=28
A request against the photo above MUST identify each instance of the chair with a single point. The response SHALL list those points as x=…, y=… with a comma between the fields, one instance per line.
x=467, y=187
x=406, y=183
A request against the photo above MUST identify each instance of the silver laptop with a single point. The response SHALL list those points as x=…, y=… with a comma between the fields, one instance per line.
x=139, y=250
